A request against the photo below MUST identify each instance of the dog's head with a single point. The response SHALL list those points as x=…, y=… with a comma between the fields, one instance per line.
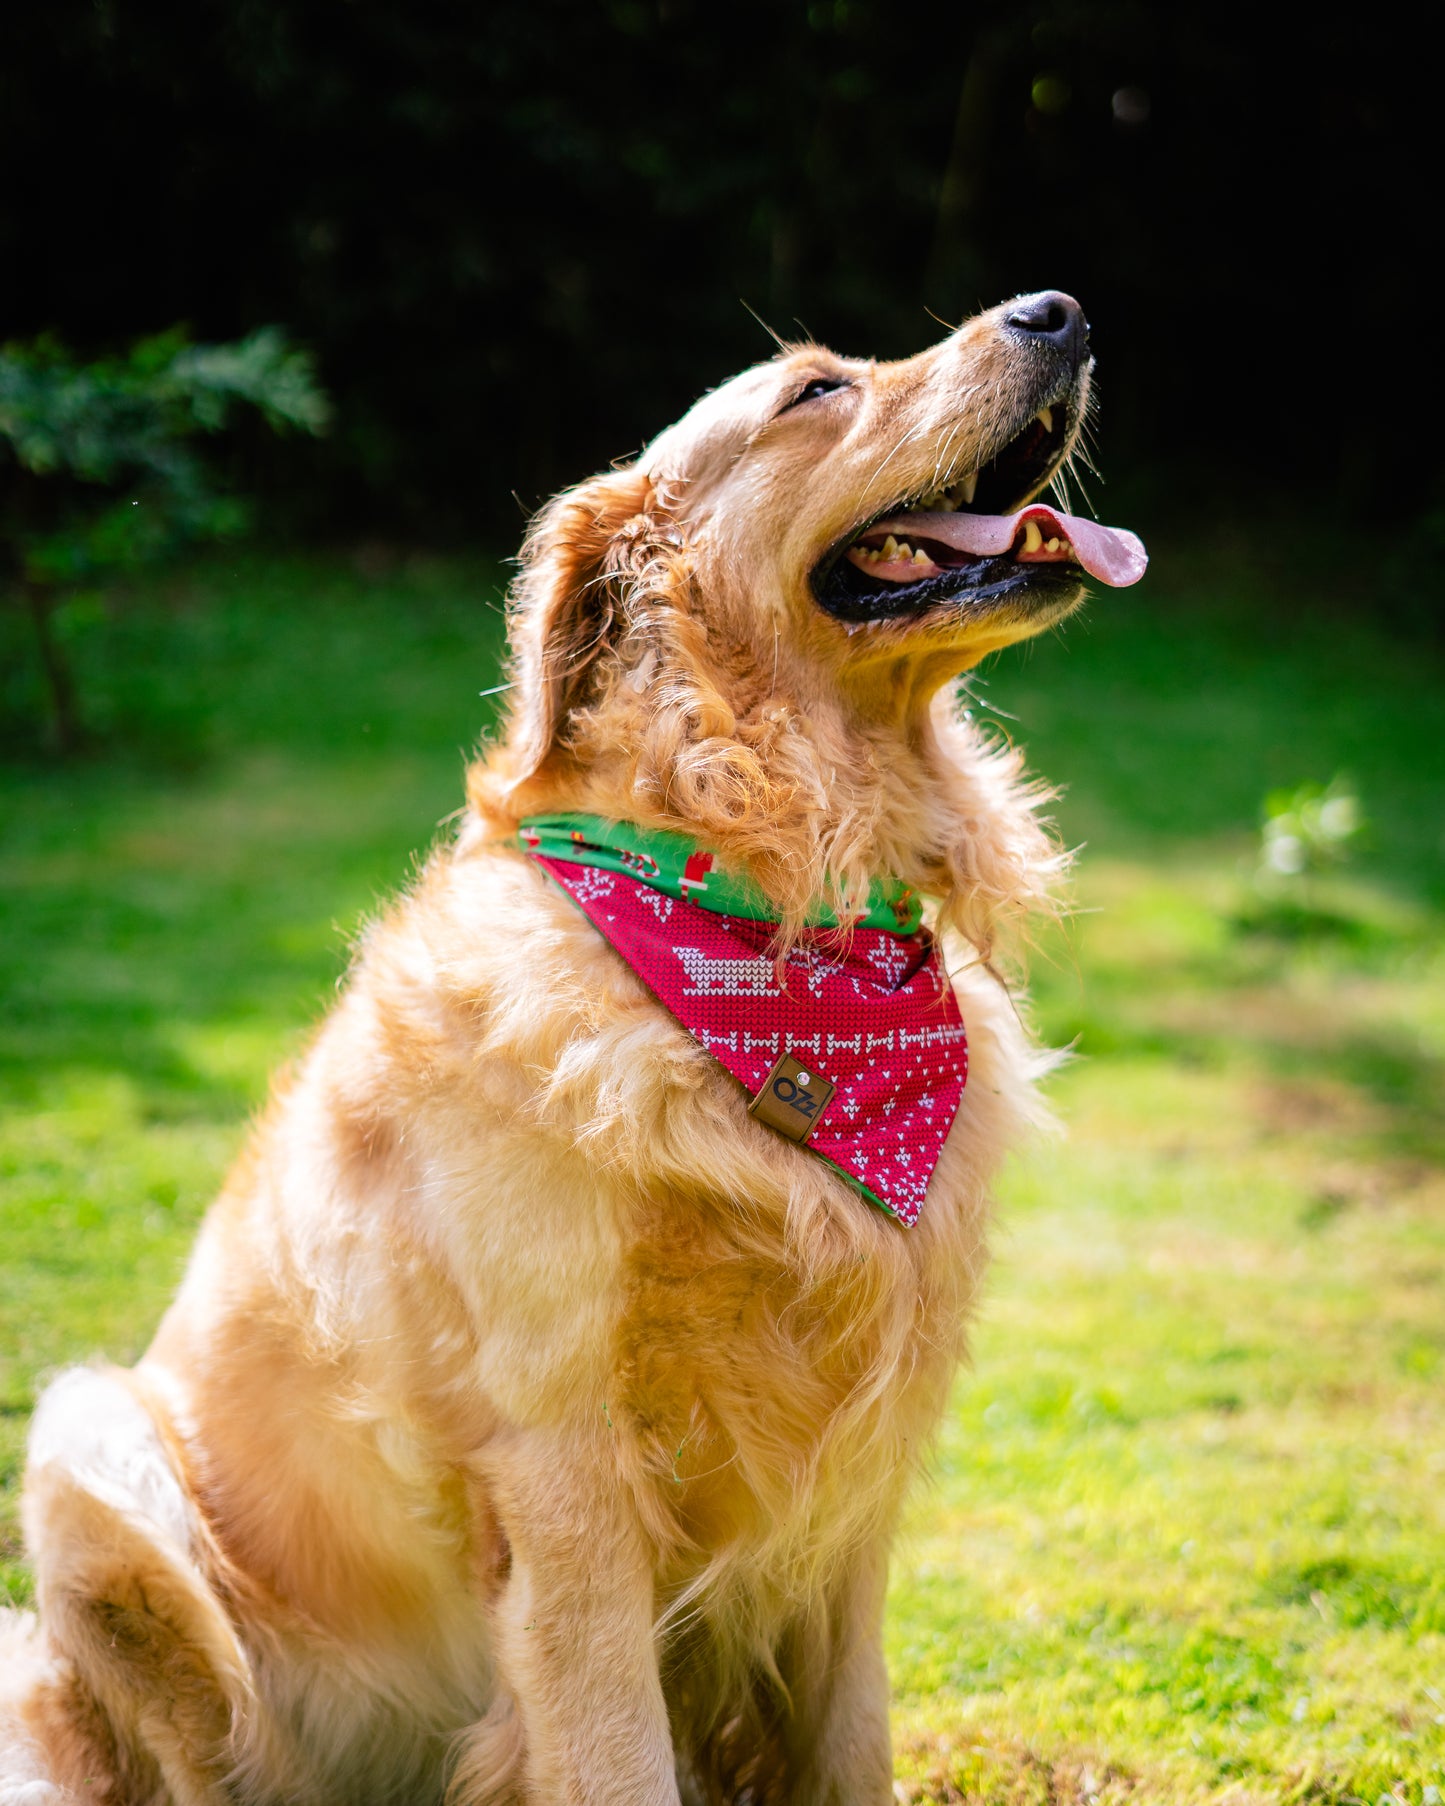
x=758, y=611
x=789, y=477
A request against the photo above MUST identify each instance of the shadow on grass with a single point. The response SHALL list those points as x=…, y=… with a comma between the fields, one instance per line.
x=1320, y=998
x=97, y=980
x=310, y=653
x=271, y=743
x=1402, y=1079
x=1355, y=1591
x=1300, y=922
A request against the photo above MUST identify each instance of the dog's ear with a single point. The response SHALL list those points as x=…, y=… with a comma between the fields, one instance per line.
x=567, y=604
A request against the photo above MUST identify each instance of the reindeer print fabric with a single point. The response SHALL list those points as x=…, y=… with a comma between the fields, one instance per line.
x=876, y=1018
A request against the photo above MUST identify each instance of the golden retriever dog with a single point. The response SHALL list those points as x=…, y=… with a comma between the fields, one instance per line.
x=533, y=1420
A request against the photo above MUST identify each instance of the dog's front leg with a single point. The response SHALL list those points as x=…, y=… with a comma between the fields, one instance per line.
x=842, y=1751
x=573, y=1623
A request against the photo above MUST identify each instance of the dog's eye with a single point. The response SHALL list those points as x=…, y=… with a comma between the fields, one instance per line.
x=810, y=391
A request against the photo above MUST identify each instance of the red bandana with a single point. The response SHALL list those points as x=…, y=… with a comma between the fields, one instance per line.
x=863, y=1056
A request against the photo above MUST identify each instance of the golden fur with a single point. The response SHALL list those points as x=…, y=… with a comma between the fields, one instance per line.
x=532, y=1424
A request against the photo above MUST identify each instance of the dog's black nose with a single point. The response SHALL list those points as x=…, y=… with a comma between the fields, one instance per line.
x=1054, y=318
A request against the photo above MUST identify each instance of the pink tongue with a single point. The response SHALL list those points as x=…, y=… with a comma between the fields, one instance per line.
x=1111, y=554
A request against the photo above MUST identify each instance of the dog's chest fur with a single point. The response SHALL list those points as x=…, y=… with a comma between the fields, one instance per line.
x=764, y=1351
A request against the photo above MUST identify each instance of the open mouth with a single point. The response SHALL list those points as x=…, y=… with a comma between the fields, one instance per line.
x=976, y=543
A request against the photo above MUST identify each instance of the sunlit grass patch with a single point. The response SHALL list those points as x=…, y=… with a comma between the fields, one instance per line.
x=1187, y=1536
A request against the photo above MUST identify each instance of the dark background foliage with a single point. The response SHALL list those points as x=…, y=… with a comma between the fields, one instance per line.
x=518, y=234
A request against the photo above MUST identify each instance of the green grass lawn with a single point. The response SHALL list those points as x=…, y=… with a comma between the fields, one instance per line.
x=1186, y=1536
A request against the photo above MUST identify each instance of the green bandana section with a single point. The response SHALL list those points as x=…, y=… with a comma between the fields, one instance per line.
x=675, y=864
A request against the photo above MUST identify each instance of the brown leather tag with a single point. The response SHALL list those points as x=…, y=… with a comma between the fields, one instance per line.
x=792, y=1098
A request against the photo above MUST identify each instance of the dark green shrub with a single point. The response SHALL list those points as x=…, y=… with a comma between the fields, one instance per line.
x=106, y=472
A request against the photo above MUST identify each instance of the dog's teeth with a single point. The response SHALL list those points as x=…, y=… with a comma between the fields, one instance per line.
x=1053, y=545
x=1033, y=539
x=1046, y=415
x=921, y=557
x=902, y=551
x=968, y=488
x=890, y=547
x=946, y=504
